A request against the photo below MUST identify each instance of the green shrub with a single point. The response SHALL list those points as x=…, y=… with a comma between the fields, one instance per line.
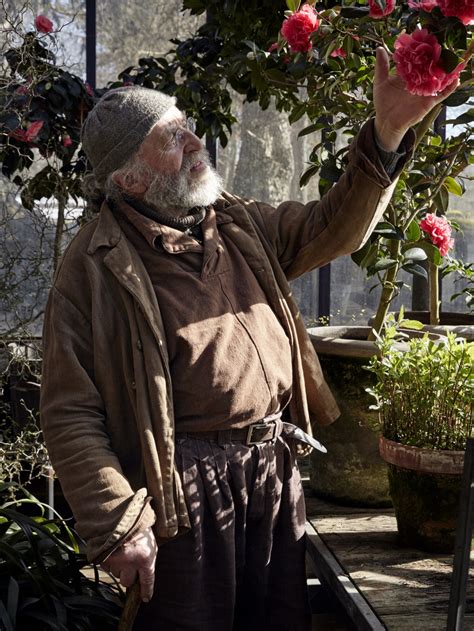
x=424, y=390
x=42, y=584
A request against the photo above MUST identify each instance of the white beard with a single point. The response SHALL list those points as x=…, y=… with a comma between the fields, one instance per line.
x=176, y=193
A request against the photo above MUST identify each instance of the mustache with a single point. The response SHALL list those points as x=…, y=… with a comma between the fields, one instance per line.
x=190, y=160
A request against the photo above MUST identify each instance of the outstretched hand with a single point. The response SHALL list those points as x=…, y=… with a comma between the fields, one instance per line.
x=135, y=559
x=396, y=109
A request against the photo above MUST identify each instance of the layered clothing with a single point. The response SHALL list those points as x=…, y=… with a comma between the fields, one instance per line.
x=107, y=408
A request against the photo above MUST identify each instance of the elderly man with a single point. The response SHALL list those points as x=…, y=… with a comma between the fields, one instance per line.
x=175, y=359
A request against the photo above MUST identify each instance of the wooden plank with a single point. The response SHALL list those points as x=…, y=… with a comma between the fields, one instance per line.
x=343, y=588
x=406, y=588
x=462, y=553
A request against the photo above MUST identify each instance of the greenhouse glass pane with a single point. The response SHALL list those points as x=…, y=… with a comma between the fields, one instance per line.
x=128, y=30
x=264, y=161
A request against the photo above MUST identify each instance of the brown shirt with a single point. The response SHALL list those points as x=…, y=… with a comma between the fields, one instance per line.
x=230, y=359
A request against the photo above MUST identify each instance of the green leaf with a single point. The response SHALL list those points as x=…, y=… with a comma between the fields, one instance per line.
x=330, y=172
x=359, y=255
x=297, y=113
x=308, y=174
x=389, y=231
x=5, y=619
x=413, y=232
x=416, y=254
x=416, y=270
x=432, y=252
x=310, y=129
x=383, y=264
x=293, y=5
x=453, y=186
x=12, y=604
x=412, y=324
x=354, y=12
x=449, y=60
x=459, y=97
x=464, y=119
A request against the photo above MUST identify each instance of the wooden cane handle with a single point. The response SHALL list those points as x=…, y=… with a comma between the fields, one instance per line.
x=130, y=609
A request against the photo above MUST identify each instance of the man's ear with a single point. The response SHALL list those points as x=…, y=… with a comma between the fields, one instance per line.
x=129, y=183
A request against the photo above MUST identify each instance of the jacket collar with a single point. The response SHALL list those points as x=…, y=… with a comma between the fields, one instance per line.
x=107, y=232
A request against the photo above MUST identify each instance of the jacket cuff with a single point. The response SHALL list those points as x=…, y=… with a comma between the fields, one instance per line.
x=138, y=516
x=365, y=154
x=389, y=159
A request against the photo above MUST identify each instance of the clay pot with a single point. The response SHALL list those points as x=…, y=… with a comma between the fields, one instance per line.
x=352, y=472
x=425, y=486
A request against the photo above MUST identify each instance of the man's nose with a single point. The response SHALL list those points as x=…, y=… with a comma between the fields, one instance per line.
x=193, y=142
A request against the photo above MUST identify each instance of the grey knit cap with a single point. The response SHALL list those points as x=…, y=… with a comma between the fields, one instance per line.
x=118, y=124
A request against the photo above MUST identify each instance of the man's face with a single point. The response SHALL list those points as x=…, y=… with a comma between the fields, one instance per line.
x=183, y=175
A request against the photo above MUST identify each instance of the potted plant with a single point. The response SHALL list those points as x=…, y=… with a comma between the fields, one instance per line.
x=43, y=583
x=424, y=395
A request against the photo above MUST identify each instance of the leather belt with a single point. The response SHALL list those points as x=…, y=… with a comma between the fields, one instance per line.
x=260, y=432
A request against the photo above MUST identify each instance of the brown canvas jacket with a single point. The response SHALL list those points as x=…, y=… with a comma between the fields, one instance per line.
x=106, y=404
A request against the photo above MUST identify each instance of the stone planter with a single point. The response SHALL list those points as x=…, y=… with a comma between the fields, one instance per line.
x=425, y=486
x=352, y=472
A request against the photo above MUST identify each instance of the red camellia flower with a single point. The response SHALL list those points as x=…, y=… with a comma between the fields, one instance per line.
x=376, y=12
x=461, y=9
x=439, y=230
x=43, y=24
x=417, y=58
x=27, y=135
x=297, y=29
x=423, y=5
x=339, y=52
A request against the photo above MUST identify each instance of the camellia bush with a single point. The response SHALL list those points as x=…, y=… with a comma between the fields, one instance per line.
x=43, y=108
x=312, y=60
x=317, y=60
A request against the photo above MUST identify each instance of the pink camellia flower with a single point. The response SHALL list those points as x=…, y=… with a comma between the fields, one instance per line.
x=461, y=9
x=423, y=5
x=339, y=52
x=33, y=130
x=67, y=142
x=376, y=12
x=297, y=29
x=43, y=24
x=29, y=134
x=418, y=61
x=439, y=230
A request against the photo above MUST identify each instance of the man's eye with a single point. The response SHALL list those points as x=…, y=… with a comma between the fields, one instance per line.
x=174, y=137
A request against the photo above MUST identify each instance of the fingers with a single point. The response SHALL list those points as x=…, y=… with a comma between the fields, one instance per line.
x=382, y=65
x=127, y=576
x=146, y=576
x=135, y=559
x=449, y=89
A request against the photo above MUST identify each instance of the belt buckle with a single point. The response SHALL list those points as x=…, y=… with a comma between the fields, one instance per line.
x=249, y=441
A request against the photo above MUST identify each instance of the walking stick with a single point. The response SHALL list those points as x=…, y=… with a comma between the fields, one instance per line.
x=130, y=609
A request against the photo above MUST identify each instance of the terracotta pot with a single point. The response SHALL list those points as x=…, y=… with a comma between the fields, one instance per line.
x=425, y=486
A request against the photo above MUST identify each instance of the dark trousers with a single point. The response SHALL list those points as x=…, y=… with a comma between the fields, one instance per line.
x=242, y=566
